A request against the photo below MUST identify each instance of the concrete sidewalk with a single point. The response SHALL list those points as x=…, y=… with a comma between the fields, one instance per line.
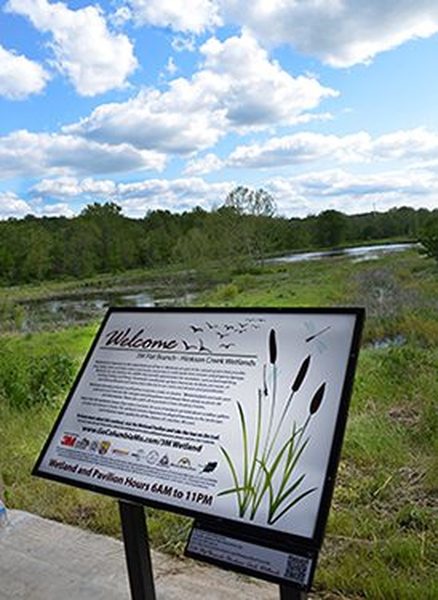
x=46, y=560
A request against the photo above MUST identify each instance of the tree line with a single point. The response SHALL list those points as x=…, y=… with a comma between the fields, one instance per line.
x=244, y=228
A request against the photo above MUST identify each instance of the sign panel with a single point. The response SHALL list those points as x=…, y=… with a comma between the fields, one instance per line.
x=233, y=414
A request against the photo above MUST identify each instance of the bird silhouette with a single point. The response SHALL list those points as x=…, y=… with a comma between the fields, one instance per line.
x=202, y=347
x=196, y=329
x=188, y=346
x=226, y=345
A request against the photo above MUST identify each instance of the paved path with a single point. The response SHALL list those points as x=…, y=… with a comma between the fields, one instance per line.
x=46, y=560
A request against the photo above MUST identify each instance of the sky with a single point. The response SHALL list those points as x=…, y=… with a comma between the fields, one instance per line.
x=170, y=104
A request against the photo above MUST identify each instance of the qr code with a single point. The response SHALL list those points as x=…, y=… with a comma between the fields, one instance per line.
x=298, y=568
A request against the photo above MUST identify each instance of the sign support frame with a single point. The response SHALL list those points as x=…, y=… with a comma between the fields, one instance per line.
x=290, y=593
x=138, y=556
x=137, y=551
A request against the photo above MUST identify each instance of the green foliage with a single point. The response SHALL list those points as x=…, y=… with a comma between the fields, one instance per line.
x=382, y=536
x=244, y=230
x=33, y=379
x=11, y=315
x=331, y=229
x=429, y=238
x=227, y=293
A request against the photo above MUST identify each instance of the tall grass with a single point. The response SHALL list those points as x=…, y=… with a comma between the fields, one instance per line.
x=33, y=379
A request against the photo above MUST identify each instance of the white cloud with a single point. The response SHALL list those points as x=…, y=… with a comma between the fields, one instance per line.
x=121, y=16
x=339, y=32
x=206, y=164
x=351, y=192
x=60, y=209
x=175, y=195
x=301, y=148
x=184, y=43
x=299, y=195
x=237, y=89
x=26, y=154
x=19, y=76
x=138, y=197
x=417, y=144
x=13, y=206
x=70, y=187
x=86, y=51
x=194, y=16
x=171, y=67
x=257, y=91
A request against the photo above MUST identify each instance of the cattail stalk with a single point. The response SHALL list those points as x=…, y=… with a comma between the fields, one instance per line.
x=296, y=385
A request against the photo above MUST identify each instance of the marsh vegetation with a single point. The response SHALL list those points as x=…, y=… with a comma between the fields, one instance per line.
x=382, y=537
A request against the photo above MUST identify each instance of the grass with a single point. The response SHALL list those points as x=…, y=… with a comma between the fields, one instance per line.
x=382, y=535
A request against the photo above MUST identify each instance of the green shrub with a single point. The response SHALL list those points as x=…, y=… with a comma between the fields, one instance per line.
x=29, y=380
x=429, y=239
x=12, y=315
x=227, y=292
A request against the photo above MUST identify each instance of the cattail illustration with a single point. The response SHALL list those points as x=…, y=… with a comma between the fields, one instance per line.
x=272, y=348
x=317, y=399
x=301, y=375
x=270, y=474
x=265, y=385
x=297, y=383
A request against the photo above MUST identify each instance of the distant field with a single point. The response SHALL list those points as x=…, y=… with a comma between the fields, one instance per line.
x=382, y=537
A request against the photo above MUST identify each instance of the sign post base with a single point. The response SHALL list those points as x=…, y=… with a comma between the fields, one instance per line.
x=138, y=556
x=289, y=593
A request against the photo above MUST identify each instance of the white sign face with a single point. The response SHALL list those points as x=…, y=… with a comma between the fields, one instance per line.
x=229, y=414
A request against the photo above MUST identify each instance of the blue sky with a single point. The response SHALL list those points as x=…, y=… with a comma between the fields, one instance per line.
x=171, y=103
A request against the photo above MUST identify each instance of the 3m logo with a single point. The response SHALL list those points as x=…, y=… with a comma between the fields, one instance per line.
x=68, y=440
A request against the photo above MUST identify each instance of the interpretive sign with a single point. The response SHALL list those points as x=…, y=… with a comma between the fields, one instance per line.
x=228, y=414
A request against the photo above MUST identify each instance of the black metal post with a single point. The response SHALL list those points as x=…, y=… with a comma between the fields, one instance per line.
x=289, y=593
x=138, y=556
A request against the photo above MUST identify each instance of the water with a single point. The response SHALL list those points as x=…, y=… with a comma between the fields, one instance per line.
x=78, y=309
x=359, y=253
x=95, y=304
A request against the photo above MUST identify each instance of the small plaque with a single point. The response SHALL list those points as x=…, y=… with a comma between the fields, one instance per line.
x=282, y=566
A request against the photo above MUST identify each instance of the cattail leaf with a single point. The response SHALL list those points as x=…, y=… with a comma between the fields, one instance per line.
x=284, y=496
x=273, y=519
x=317, y=399
x=232, y=491
x=272, y=347
x=301, y=374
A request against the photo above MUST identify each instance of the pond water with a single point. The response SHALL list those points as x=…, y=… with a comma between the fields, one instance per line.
x=357, y=253
x=76, y=309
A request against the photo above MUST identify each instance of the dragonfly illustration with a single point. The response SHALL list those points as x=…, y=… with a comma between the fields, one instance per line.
x=315, y=335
